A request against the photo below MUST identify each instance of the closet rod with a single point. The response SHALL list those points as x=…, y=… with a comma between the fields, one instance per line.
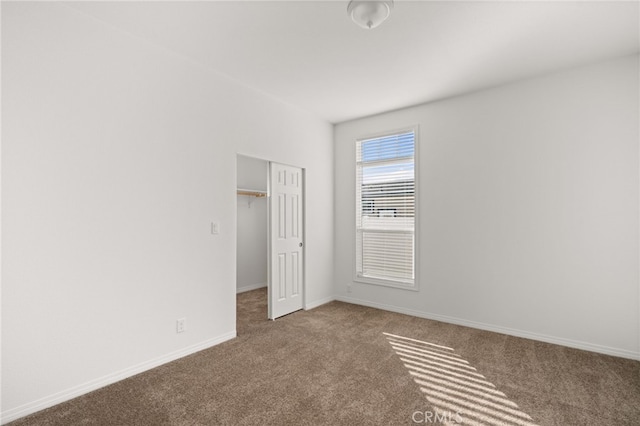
x=252, y=193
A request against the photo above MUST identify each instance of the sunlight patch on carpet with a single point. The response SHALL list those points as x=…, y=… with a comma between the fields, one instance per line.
x=456, y=390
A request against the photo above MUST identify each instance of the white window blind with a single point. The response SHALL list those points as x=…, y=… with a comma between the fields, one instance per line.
x=385, y=209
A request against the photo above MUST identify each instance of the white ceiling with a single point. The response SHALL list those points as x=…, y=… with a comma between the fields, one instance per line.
x=309, y=53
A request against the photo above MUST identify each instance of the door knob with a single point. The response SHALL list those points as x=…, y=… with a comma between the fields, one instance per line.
x=300, y=244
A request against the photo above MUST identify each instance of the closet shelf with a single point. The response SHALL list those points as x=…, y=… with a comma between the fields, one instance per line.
x=252, y=193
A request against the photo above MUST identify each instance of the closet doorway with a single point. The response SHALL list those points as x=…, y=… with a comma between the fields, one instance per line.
x=270, y=233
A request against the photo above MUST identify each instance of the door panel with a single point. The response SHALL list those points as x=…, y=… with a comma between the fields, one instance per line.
x=295, y=274
x=286, y=230
x=282, y=215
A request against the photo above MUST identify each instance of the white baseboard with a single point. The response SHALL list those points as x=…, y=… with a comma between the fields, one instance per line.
x=623, y=353
x=57, y=398
x=319, y=302
x=250, y=287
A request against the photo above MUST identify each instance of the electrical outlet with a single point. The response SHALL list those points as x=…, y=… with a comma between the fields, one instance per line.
x=215, y=228
x=181, y=325
x=348, y=288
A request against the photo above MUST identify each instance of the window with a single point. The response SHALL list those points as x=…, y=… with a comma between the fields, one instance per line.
x=385, y=210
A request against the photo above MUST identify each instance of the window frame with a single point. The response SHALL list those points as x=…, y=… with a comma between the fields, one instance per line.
x=416, y=224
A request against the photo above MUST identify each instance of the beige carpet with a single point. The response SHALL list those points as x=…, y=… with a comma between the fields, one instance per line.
x=343, y=364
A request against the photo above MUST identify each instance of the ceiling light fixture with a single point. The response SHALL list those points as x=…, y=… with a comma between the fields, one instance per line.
x=369, y=13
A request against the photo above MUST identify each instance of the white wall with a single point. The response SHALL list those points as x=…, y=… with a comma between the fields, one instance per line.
x=528, y=198
x=116, y=156
x=252, y=249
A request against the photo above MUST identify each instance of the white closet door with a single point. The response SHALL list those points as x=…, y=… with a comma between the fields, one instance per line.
x=287, y=262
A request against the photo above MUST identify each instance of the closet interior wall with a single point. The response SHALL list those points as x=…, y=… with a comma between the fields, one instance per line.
x=251, y=259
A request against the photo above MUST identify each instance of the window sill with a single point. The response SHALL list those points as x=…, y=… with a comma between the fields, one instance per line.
x=387, y=283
